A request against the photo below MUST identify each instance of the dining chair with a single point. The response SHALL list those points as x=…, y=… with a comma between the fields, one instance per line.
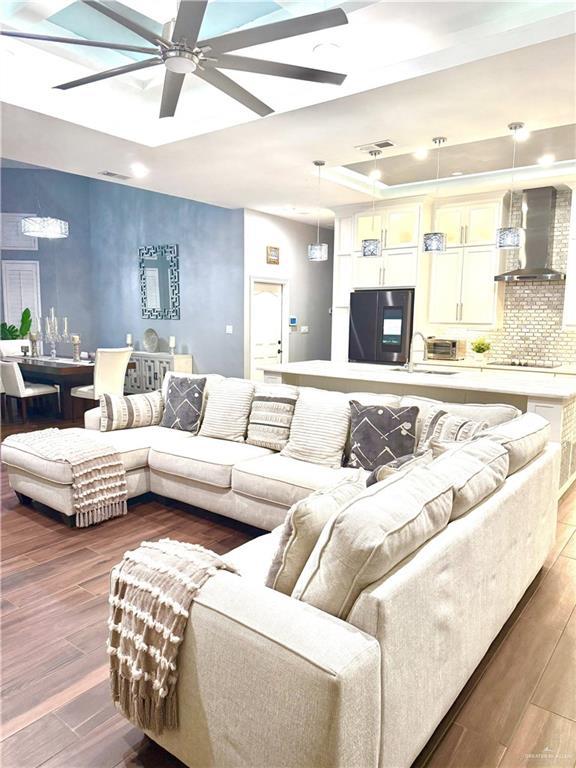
x=109, y=373
x=20, y=391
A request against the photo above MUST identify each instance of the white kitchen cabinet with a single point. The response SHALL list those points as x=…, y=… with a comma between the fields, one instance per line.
x=397, y=227
x=344, y=235
x=445, y=286
x=468, y=223
x=150, y=369
x=462, y=287
x=396, y=267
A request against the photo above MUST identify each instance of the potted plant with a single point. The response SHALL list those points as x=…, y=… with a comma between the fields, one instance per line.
x=481, y=347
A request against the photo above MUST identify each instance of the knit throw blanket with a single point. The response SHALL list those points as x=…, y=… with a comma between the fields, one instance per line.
x=98, y=476
x=151, y=592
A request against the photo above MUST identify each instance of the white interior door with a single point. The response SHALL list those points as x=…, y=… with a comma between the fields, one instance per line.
x=266, y=322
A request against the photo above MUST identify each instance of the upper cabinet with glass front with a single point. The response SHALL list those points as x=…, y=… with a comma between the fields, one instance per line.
x=396, y=226
x=468, y=223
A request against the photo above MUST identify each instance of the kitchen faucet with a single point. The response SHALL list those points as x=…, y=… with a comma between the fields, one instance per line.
x=409, y=363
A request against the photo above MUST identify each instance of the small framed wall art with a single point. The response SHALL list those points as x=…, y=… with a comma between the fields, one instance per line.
x=272, y=254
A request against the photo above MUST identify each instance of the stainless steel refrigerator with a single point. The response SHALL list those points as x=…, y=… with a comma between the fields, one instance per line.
x=381, y=325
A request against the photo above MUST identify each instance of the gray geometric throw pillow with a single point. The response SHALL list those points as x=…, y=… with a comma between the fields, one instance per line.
x=183, y=406
x=380, y=434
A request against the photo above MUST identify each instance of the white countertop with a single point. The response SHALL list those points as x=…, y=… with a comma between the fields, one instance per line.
x=507, y=381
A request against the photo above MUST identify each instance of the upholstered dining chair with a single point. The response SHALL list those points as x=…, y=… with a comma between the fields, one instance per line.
x=20, y=391
x=109, y=374
x=13, y=347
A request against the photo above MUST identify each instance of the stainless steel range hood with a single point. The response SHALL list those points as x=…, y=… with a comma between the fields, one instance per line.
x=538, y=210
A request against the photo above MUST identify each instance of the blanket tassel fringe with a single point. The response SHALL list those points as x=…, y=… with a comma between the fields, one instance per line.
x=98, y=515
x=146, y=713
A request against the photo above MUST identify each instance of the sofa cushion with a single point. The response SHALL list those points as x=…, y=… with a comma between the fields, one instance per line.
x=130, y=411
x=203, y=459
x=302, y=527
x=227, y=410
x=524, y=438
x=132, y=444
x=381, y=527
x=441, y=425
x=253, y=559
x=475, y=469
x=271, y=415
x=183, y=404
x=282, y=480
x=493, y=413
x=319, y=427
x=380, y=433
x=401, y=464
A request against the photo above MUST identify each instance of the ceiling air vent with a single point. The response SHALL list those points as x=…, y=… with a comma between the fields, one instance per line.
x=376, y=146
x=112, y=175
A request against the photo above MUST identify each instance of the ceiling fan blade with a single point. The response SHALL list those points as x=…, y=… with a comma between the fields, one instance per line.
x=188, y=21
x=262, y=67
x=110, y=73
x=229, y=87
x=133, y=26
x=276, y=31
x=79, y=41
x=171, y=93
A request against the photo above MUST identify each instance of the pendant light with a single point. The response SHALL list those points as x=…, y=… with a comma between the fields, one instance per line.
x=511, y=237
x=436, y=241
x=318, y=251
x=44, y=226
x=372, y=247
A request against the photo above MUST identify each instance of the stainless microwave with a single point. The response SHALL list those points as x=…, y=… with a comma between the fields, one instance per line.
x=445, y=349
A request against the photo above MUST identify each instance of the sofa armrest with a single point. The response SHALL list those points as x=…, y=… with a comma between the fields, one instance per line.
x=266, y=680
x=92, y=418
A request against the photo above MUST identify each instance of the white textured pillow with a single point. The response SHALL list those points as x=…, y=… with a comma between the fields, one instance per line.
x=475, y=469
x=524, y=438
x=441, y=425
x=319, y=427
x=492, y=413
x=227, y=410
x=371, y=535
x=302, y=527
x=130, y=411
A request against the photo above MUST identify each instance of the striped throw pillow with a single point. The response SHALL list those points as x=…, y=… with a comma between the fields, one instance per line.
x=440, y=425
x=130, y=411
x=319, y=427
x=271, y=416
x=227, y=410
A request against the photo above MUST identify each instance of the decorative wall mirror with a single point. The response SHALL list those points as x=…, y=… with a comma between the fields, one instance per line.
x=159, y=282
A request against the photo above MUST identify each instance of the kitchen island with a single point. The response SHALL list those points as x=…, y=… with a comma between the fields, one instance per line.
x=553, y=396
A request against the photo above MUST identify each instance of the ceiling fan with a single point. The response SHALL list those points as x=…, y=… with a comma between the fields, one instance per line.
x=183, y=53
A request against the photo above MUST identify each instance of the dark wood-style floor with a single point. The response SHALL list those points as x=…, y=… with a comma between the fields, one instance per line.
x=519, y=708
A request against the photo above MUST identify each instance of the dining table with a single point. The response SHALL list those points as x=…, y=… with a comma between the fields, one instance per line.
x=63, y=371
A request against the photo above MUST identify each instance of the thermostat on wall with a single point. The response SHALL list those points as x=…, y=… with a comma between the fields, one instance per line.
x=292, y=321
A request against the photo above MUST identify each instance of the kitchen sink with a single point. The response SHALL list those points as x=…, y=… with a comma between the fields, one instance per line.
x=438, y=373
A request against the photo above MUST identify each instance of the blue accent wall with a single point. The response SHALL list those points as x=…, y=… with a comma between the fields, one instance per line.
x=92, y=276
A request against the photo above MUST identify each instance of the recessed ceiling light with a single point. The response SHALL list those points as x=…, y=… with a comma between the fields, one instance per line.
x=420, y=154
x=546, y=160
x=375, y=174
x=522, y=134
x=456, y=173
x=139, y=170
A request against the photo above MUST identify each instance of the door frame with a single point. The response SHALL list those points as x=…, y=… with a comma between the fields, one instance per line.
x=283, y=282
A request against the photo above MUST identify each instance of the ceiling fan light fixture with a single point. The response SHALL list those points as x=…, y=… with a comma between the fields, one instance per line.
x=181, y=62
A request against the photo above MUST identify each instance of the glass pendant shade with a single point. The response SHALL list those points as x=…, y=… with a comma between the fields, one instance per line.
x=435, y=241
x=44, y=226
x=371, y=248
x=509, y=237
x=318, y=252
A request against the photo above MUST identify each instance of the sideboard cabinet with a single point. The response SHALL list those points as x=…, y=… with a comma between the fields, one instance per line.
x=150, y=369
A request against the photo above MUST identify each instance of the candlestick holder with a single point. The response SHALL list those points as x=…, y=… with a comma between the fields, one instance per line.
x=52, y=334
x=76, y=343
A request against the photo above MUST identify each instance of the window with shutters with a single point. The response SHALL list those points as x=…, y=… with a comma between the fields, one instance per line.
x=20, y=289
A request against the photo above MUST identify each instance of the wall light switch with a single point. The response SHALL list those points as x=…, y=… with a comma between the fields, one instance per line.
x=304, y=329
x=229, y=329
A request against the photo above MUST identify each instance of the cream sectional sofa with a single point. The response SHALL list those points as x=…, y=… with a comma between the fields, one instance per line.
x=267, y=680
